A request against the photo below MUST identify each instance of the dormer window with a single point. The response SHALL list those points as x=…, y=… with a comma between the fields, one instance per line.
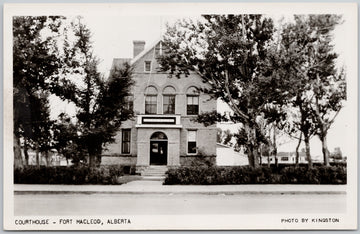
x=147, y=66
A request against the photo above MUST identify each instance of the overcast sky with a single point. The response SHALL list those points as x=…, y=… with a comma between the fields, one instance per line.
x=113, y=36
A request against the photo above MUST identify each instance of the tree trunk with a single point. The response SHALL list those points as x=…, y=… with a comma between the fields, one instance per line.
x=95, y=156
x=26, y=154
x=274, y=146
x=307, y=150
x=252, y=156
x=297, y=151
x=325, y=150
x=322, y=127
x=92, y=160
x=18, y=161
x=268, y=162
x=37, y=154
x=47, y=159
x=252, y=147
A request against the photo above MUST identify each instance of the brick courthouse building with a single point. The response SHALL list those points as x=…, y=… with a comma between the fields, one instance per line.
x=162, y=131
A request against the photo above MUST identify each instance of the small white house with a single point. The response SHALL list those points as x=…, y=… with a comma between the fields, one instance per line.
x=285, y=158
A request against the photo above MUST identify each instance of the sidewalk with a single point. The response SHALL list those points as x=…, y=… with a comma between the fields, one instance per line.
x=156, y=187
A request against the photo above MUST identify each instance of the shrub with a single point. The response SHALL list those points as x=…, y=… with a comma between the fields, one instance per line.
x=263, y=175
x=68, y=175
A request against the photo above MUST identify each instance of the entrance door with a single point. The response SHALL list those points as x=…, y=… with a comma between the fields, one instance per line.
x=158, y=149
x=158, y=152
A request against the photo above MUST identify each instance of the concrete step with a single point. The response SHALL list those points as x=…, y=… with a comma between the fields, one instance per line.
x=154, y=178
x=151, y=174
x=155, y=171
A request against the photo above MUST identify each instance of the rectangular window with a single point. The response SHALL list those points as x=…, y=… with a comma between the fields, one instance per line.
x=147, y=66
x=125, y=144
x=192, y=142
x=150, y=104
x=169, y=104
x=192, y=105
x=129, y=102
x=284, y=158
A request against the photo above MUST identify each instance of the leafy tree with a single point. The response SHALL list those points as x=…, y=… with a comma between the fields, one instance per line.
x=46, y=62
x=41, y=126
x=34, y=67
x=65, y=139
x=229, y=52
x=319, y=88
x=99, y=102
x=329, y=85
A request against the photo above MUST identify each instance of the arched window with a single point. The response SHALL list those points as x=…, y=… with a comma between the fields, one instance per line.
x=192, y=101
x=169, y=100
x=151, y=100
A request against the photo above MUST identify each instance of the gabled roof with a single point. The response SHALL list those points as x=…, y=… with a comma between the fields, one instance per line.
x=118, y=62
x=145, y=51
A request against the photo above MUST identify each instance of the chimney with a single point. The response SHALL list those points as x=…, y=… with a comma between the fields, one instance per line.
x=139, y=46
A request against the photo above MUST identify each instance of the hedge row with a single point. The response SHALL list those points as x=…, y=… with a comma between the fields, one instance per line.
x=69, y=175
x=261, y=175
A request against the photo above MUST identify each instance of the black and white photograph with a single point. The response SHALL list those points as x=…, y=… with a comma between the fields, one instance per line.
x=180, y=116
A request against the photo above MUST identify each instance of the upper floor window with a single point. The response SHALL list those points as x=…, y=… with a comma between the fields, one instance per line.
x=169, y=100
x=192, y=101
x=147, y=66
x=129, y=102
x=151, y=100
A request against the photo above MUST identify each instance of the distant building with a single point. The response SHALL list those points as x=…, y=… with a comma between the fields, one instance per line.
x=290, y=158
x=162, y=132
x=285, y=158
